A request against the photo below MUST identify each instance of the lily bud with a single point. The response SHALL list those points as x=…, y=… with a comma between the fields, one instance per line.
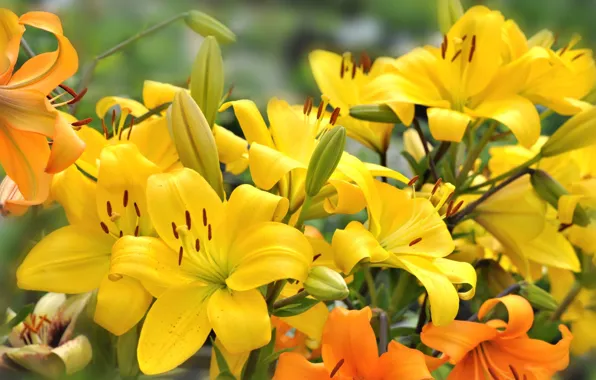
x=538, y=297
x=449, y=11
x=576, y=133
x=551, y=190
x=194, y=140
x=207, y=79
x=374, y=112
x=325, y=159
x=206, y=25
x=325, y=284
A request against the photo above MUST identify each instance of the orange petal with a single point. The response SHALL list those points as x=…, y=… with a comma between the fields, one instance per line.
x=292, y=366
x=470, y=368
x=66, y=148
x=403, y=363
x=10, y=40
x=28, y=111
x=46, y=71
x=348, y=336
x=520, y=312
x=456, y=339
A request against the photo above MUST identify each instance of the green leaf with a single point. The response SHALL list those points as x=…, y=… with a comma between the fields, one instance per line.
x=295, y=308
x=418, y=169
x=221, y=360
x=271, y=358
x=18, y=318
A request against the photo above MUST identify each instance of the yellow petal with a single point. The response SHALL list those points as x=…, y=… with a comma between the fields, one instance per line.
x=584, y=334
x=155, y=143
x=566, y=207
x=240, y=319
x=346, y=198
x=446, y=124
x=459, y=273
x=67, y=147
x=76, y=193
x=105, y=104
x=355, y=244
x=69, y=260
x=267, y=252
x=121, y=183
x=517, y=113
x=252, y=123
x=121, y=304
x=552, y=249
x=156, y=93
x=381, y=171
x=325, y=66
x=294, y=135
x=311, y=322
x=375, y=136
x=150, y=261
x=442, y=296
x=268, y=166
x=171, y=195
x=232, y=150
x=235, y=362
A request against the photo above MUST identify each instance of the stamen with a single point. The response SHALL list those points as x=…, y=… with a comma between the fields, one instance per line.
x=187, y=214
x=125, y=199
x=457, y=207
x=334, y=116
x=82, y=122
x=342, y=68
x=415, y=241
x=492, y=372
x=204, y=217
x=464, y=37
x=299, y=290
x=113, y=117
x=456, y=55
x=316, y=257
x=114, y=277
x=78, y=97
x=444, y=46
x=449, y=208
x=180, y=256
x=137, y=210
x=104, y=227
x=132, y=124
x=353, y=70
x=209, y=236
x=197, y=245
x=109, y=208
x=105, y=129
x=137, y=230
x=121, y=233
x=114, y=217
x=437, y=184
x=336, y=368
x=577, y=56
x=174, y=230
x=472, y=49
x=366, y=62
x=514, y=373
x=305, y=108
x=413, y=180
x=320, y=110
x=72, y=92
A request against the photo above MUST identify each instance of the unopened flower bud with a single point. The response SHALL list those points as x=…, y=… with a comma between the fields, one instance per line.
x=551, y=190
x=380, y=113
x=325, y=284
x=194, y=140
x=207, y=79
x=576, y=133
x=325, y=159
x=538, y=297
x=449, y=11
x=206, y=25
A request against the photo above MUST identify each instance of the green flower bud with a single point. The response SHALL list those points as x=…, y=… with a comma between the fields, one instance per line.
x=538, y=297
x=206, y=25
x=576, y=133
x=449, y=11
x=126, y=352
x=325, y=159
x=207, y=79
x=194, y=140
x=325, y=284
x=380, y=113
x=551, y=190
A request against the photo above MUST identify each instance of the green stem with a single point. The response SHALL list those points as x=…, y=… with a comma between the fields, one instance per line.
x=305, y=206
x=154, y=111
x=503, y=176
x=398, y=293
x=567, y=301
x=90, y=67
x=431, y=161
x=383, y=159
x=290, y=300
x=475, y=153
x=370, y=283
x=30, y=53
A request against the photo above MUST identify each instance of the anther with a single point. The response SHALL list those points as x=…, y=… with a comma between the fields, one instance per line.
x=82, y=122
x=180, y=256
x=204, y=217
x=334, y=116
x=72, y=92
x=413, y=180
x=78, y=97
x=137, y=210
x=121, y=233
x=105, y=129
x=436, y=187
x=456, y=55
x=174, y=230
x=365, y=62
x=514, y=372
x=464, y=37
x=109, y=208
x=320, y=110
x=336, y=368
x=113, y=117
x=132, y=124
x=450, y=196
x=104, y=227
x=415, y=241
x=125, y=198
x=472, y=49
x=137, y=230
x=578, y=56
x=342, y=68
x=197, y=245
x=353, y=70
x=316, y=257
x=187, y=214
x=449, y=208
x=444, y=46
x=114, y=277
x=209, y=236
x=305, y=108
x=457, y=207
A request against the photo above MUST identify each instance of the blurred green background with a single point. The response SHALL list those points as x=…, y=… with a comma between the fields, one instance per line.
x=268, y=59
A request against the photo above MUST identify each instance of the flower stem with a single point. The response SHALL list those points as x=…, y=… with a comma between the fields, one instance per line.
x=431, y=161
x=383, y=330
x=422, y=316
x=500, y=177
x=370, y=283
x=475, y=153
x=567, y=301
x=383, y=161
x=305, y=206
x=398, y=293
x=30, y=53
x=290, y=300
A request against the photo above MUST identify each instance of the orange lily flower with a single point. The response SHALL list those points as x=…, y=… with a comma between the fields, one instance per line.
x=498, y=349
x=350, y=351
x=27, y=118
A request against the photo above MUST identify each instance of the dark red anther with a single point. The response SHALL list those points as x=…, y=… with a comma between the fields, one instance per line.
x=104, y=227
x=72, y=92
x=180, y=252
x=472, y=49
x=336, y=368
x=456, y=55
x=80, y=123
x=125, y=198
x=209, y=236
x=365, y=62
x=320, y=110
x=353, y=70
x=413, y=180
x=137, y=231
x=444, y=46
x=197, y=245
x=204, y=217
x=121, y=233
x=334, y=116
x=305, y=107
x=449, y=208
x=457, y=207
x=578, y=56
x=187, y=214
x=109, y=208
x=514, y=373
x=120, y=133
x=137, y=210
x=316, y=257
x=78, y=97
x=464, y=37
x=342, y=68
x=105, y=129
x=132, y=124
x=174, y=230
x=436, y=187
x=415, y=241
x=113, y=116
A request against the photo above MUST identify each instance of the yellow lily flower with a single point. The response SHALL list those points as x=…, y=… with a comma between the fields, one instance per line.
x=280, y=155
x=406, y=232
x=456, y=81
x=207, y=266
x=343, y=81
x=159, y=148
x=76, y=258
x=580, y=314
x=28, y=118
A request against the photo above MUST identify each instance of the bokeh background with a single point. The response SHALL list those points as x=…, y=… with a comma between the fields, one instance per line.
x=268, y=59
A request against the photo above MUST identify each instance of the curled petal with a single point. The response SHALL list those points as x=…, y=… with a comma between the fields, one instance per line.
x=355, y=244
x=293, y=366
x=521, y=315
x=251, y=122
